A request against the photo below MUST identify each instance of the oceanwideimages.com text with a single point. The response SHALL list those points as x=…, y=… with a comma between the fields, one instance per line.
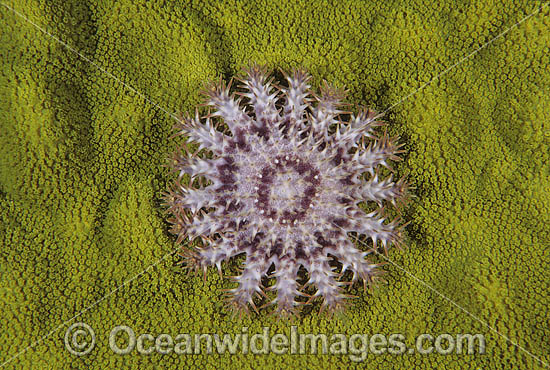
x=123, y=340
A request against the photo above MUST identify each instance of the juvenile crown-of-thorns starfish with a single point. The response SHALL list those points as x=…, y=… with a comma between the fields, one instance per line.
x=282, y=183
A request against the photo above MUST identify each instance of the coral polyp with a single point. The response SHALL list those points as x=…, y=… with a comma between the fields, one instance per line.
x=276, y=173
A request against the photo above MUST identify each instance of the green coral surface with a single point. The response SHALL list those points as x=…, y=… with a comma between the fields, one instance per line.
x=84, y=138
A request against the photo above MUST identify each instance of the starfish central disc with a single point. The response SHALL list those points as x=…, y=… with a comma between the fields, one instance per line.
x=286, y=189
x=286, y=172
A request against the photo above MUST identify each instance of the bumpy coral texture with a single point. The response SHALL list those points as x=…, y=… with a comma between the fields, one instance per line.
x=81, y=173
x=285, y=184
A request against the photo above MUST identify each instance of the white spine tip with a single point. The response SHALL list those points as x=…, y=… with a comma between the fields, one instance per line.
x=279, y=126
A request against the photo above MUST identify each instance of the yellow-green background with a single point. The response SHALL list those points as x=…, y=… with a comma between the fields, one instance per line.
x=81, y=176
